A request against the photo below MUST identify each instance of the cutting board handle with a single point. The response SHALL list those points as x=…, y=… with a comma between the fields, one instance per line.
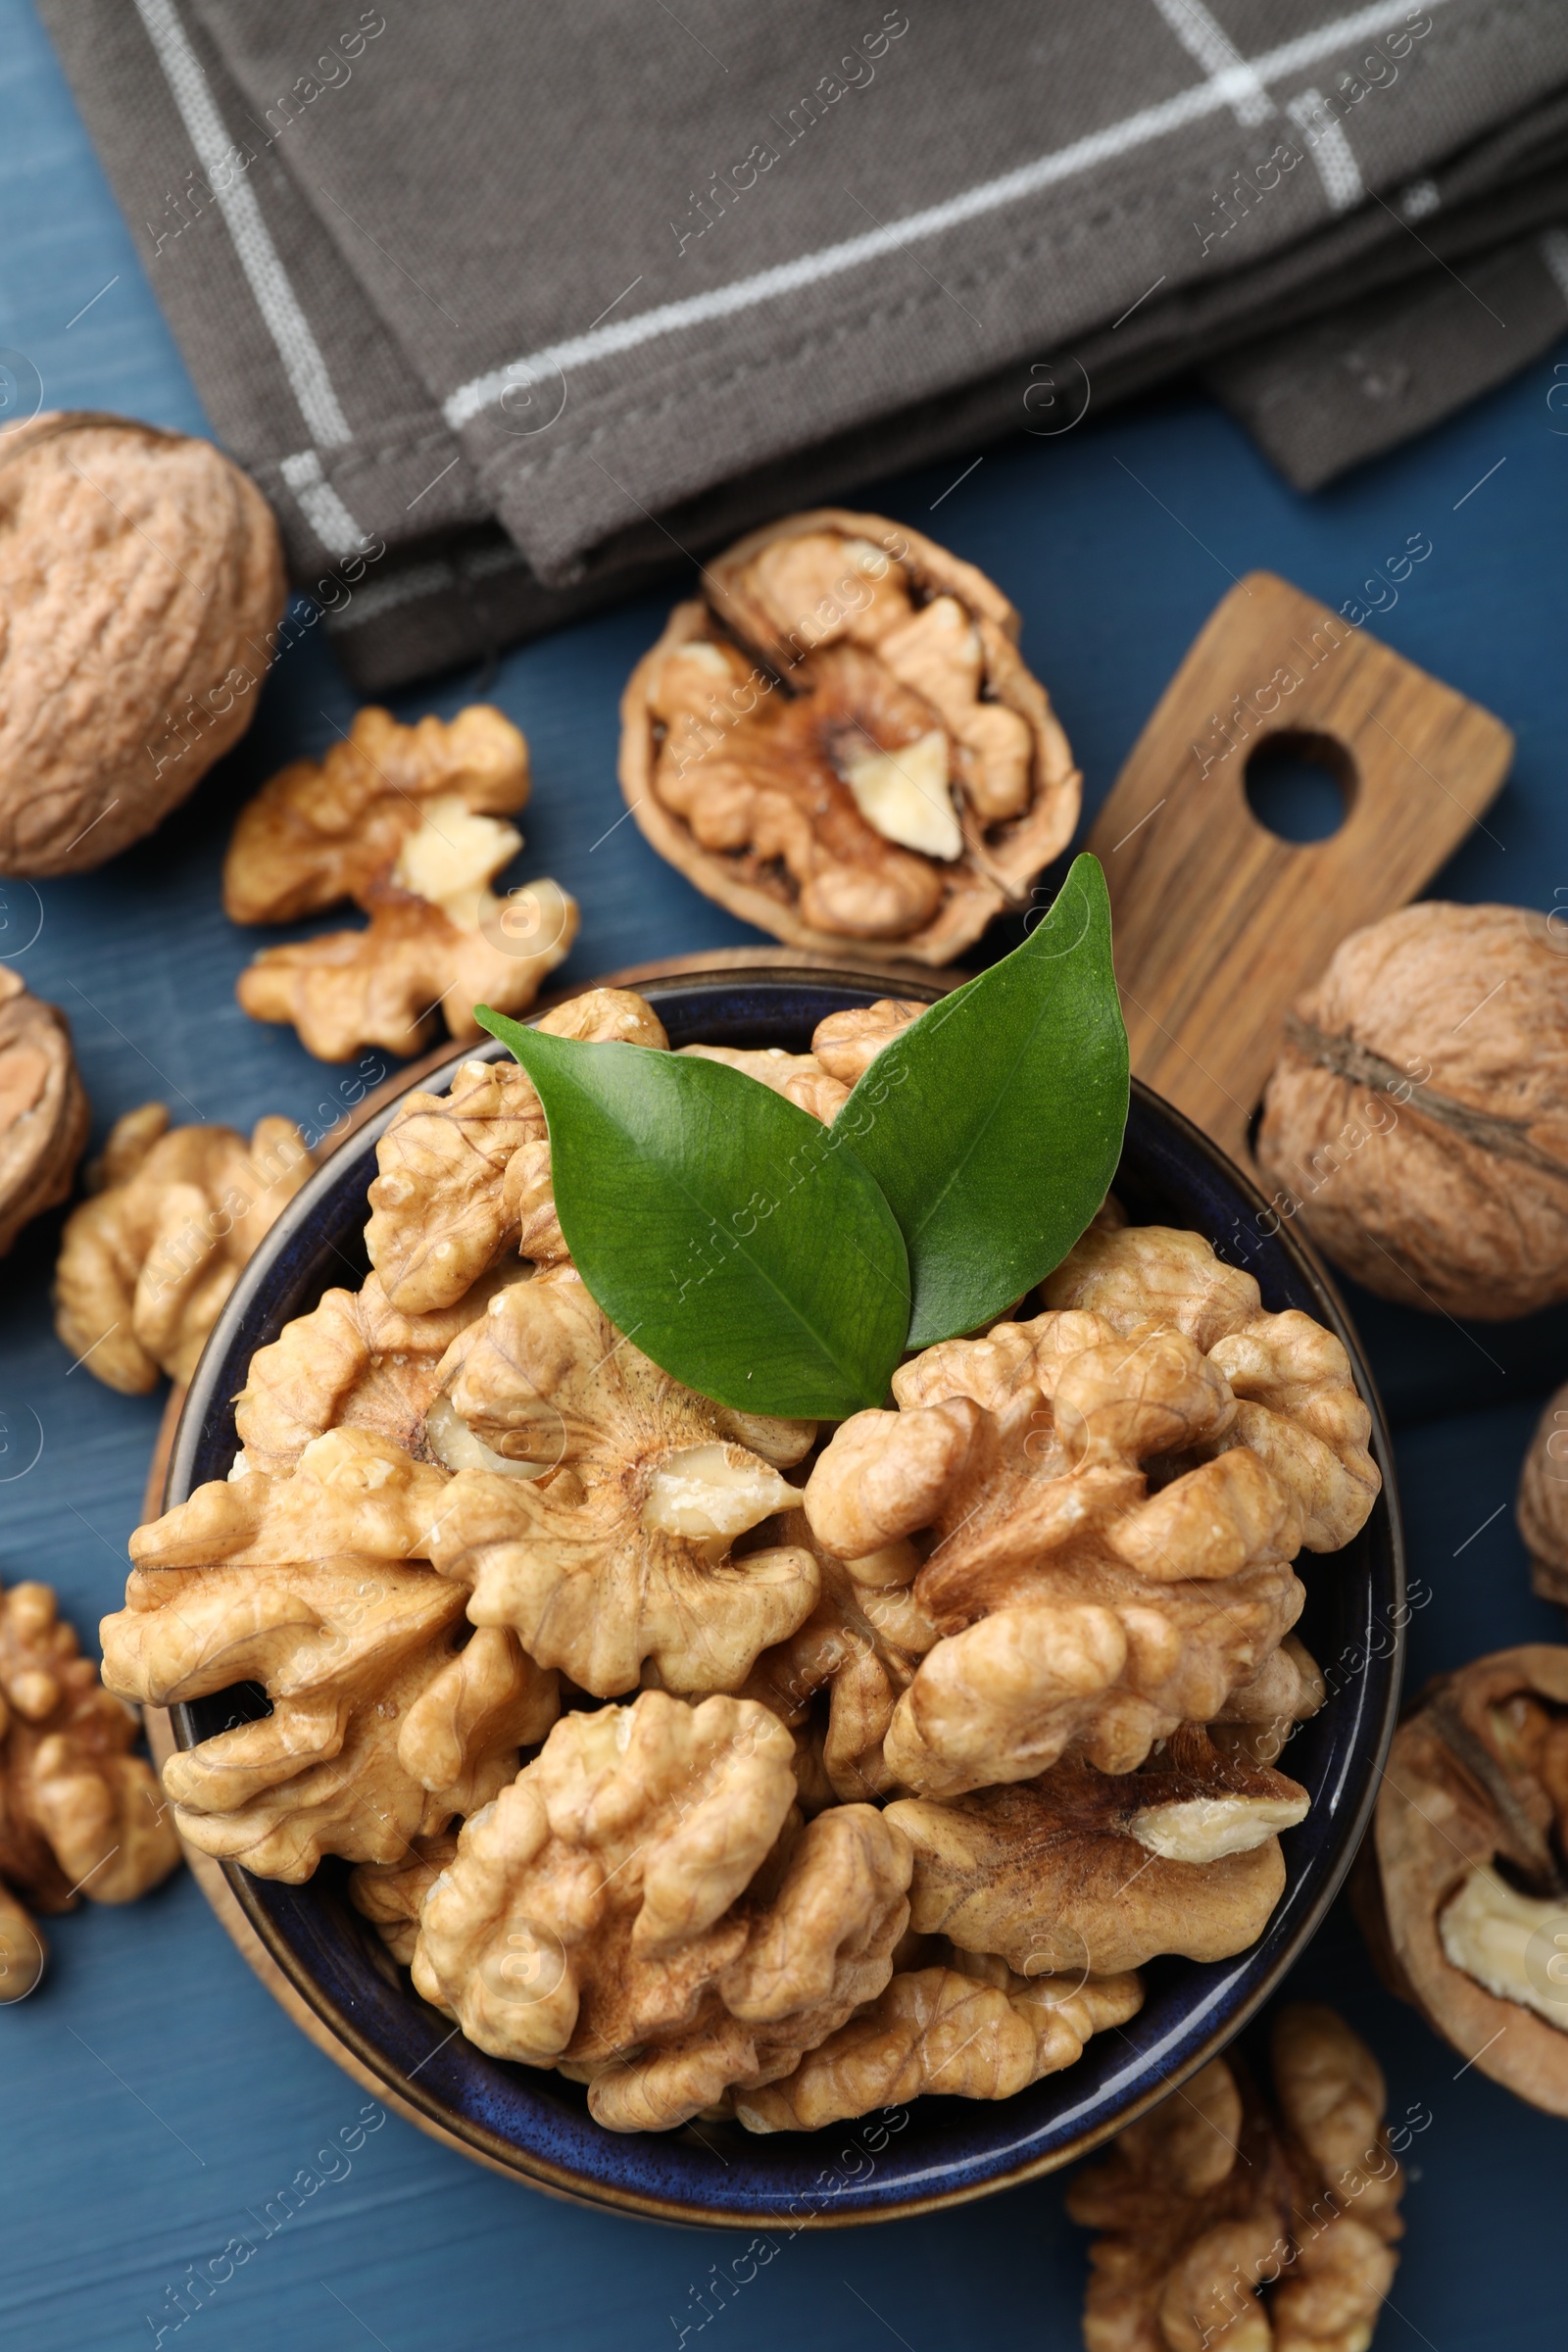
x=1221, y=923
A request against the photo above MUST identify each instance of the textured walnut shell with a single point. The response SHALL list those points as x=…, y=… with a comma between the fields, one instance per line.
x=143, y=573
x=43, y=1109
x=1419, y=1111
x=1451, y=1799
x=1542, y=1508
x=1015, y=850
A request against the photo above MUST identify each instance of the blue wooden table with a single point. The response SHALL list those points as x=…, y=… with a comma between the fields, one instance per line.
x=152, y=2097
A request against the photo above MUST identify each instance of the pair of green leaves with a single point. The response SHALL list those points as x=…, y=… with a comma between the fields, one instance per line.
x=781, y=1266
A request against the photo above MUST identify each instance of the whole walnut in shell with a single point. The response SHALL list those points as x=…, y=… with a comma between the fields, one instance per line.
x=80, y=1814
x=43, y=1107
x=1467, y=1907
x=1220, y=2196
x=147, y=1261
x=843, y=743
x=143, y=573
x=1417, y=1117
x=1542, y=1508
x=642, y=1909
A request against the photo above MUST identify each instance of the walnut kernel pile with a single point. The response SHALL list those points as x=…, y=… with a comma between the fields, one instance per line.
x=733, y=1766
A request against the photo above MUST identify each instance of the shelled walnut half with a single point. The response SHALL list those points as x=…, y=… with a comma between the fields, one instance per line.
x=622, y=1555
x=148, y=1260
x=1108, y=1498
x=1467, y=1911
x=1082, y=1868
x=408, y=822
x=956, y=2024
x=643, y=1910
x=465, y=1176
x=323, y=830
x=384, y=1721
x=1221, y=2197
x=843, y=743
x=43, y=1107
x=80, y=1814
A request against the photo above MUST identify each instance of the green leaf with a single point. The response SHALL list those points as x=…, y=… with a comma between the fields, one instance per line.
x=726, y=1232
x=995, y=1123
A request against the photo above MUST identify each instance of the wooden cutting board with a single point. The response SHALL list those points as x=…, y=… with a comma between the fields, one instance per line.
x=1220, y=924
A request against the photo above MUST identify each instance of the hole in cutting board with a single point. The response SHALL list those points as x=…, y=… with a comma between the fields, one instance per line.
x=1299, y=786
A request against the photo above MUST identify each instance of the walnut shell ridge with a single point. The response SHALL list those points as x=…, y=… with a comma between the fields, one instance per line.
x=1418, y=1112
x=142, y=576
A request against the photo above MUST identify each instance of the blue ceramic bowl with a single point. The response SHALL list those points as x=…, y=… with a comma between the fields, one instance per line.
x=936, y=2151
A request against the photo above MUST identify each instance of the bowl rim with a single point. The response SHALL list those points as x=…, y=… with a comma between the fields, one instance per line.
x=544, y=2172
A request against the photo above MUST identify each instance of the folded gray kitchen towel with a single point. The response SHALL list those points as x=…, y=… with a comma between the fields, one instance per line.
x=509, y=309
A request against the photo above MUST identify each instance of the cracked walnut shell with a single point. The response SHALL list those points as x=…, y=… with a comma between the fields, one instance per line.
x=958, y=2024
x=617, y=1557
x=1418, y=1113
x=148, y=1260
x=1467, y=1912
x=1218, y=2196
x=323, y=830
x=385, y=1722
x=642, y=1909
x=844, y=742
x=80, y=1814
x=1082, y=1868
x=142, y=576
x=43, y=1107
x=1079, y=1611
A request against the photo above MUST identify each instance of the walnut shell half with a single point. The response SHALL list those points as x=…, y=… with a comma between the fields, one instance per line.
x=794, y=745
x=43, y=1107
x=141, y=576
x=1467, y=1909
